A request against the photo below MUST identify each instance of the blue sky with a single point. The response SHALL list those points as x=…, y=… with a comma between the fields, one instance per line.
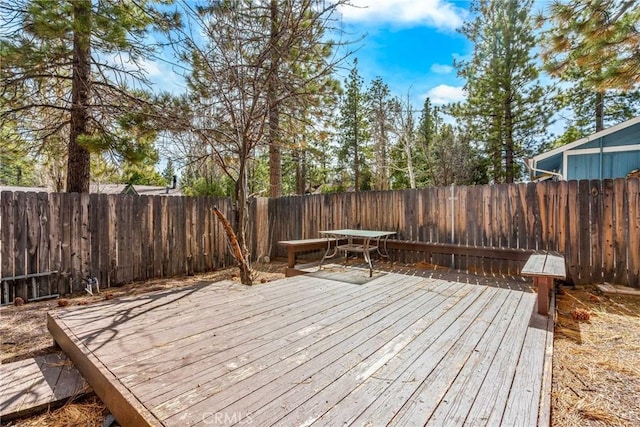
x=411, y=45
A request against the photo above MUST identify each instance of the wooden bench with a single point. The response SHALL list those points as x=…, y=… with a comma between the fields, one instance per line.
x=544, y=267
x=303, y=245
x=429, y=249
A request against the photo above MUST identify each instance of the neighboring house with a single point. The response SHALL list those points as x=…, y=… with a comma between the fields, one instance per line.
x=611, y=153
x=136, y=190
x=25, y=189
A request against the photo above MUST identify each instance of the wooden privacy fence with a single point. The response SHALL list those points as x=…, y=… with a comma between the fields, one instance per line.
x=115, y=238
x=122, y=238
x=595, y=224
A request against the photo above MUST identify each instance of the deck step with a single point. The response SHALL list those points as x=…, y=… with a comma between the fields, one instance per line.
x=32, y=385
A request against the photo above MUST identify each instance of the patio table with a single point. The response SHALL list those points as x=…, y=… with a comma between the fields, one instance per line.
x=371, y=241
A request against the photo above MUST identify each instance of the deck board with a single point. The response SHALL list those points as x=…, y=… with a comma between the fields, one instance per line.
x=327, y=348
x=244, y=349
x=31, y=385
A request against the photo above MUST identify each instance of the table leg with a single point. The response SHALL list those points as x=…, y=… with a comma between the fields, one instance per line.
x=386, y=252
x=367, y=256
x=326, y=253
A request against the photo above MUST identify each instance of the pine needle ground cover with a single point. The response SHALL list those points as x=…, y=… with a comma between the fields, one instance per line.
x=596, y=359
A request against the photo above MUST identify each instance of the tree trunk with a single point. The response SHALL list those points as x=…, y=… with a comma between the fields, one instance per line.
x=508, y=143
x=410, y=171
x=300, y=161
x=356, y=159
x=79, y=159
x=496, y=148
x=242, y=212
x=599, y=111
x=275, y=152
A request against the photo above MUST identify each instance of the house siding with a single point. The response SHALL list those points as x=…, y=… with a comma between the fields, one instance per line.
x=606, y=154
x=614, y=165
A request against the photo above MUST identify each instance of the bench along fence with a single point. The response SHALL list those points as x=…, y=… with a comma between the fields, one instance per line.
x=114, y=238
x=122, y=238
x=595, y=224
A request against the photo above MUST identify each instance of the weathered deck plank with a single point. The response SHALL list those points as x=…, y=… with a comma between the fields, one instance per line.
x=31, y=385
x=314, y=349
x=350, y=369
x=496, y=385
x=437, y=368
x=357, y=337
x=243, y=349
x=463, y=390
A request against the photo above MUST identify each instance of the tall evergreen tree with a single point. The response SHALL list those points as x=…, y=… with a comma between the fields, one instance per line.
x=300, y=63
x=505, y=107
x=16, y=163
x=380, y=114
x=169, y=172
x=69, y=69
x=429, y=125
x=353, y=131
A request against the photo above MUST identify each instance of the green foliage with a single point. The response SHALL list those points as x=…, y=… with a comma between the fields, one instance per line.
x=429, y=125
x=381, y=110
x=453, y=159
x=168, y=173
x=335, y=188
x=593, y=45
x=16, y=164
x=353, y=132
x=571, y=134
x=258, y=177
x=617, y=106
x=595, y=42
x=202, y=186
x=507, y=109
x=40, y=46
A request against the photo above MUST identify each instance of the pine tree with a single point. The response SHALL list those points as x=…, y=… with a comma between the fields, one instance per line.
x=597, y=39
x=62, y=77
x=16, y=163
x=169, y=172
x=505, y=108
x=300, y=63
x=380, y=114
x=353, y=130
x=595, y=46
x=429, y=125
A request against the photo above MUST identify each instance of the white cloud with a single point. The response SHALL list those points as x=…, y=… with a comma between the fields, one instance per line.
x=444, y=94
x=441, y=68
x=438, y=13
x=152, y=68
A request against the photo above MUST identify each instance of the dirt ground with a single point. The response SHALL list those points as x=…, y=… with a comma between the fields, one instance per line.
x=596, y=362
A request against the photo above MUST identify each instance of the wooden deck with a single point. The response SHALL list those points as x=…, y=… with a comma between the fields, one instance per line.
x=31, y=385
x=307, y=350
